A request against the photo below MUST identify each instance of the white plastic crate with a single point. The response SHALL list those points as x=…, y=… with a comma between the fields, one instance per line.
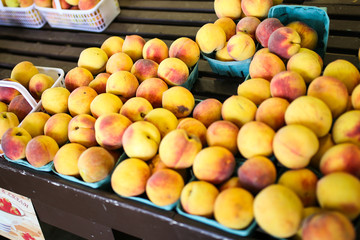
x=28, y=17
x=96, y=19
x=56, y=73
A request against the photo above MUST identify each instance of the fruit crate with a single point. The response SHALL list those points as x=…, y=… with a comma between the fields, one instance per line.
x=28, y=17
x=96, y=19
x=58, y=75
x=315, y=17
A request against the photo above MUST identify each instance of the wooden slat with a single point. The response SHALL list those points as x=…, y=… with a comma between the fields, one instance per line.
x=188, y=6
x=332, y=2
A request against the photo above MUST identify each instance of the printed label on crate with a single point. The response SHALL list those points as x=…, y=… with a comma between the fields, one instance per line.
x=18, y=219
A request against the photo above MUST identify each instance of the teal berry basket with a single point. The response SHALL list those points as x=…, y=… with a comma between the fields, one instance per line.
x=193, y=76
x=314, y=17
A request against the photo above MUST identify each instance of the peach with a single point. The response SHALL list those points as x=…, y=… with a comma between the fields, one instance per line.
x=278, y=211
x=345, y=128
x=272, y=112
x=256, y=173
x=332, y=91
x=193, y=199
x=343, y=157
x=77, y=77
x=129, y=177
x=152, y=90
x=265, y=28
x=3, y=107
x=241, y=46
x=25, y=3
x=178, y=150
x=238, y=109
x=8, y=93
x=156, y=164
x=355, y=98
x=179, y=101
x=308, y=35
x=207, y=111
x=155, y=49
x=186, y=50
x=294, y=145
x=14, y=141
x=123, y=84
x=93, y=59
x=303, y=183
x=57, y=127
x=23, y=72
x=112, y=45
x=43, y=3
x=133, y=46
x=315, y=54
x=67, y=157
x=329, y=225
x=325, y=143
x=210, y=37
x=310, y=112
x=119, y=62
x=81, y=130
x=80, y=99
x=99, y=82
x=214, y=164
x=20, y=106
x=332, y=194
x=223, y=54
x=223, y=133
x=255, y=138
x=35, y=122
x=228, y=25
x=163, y=119
x=248, y=25
x=246, y=89
x=41, y=150
x=194, y=127
x=232, y=182
x=256, y=8
x=7, y=120
x=39, y=83
x=228, y=8
x=173, y=71
x=95, y=164
x=105, y=103
x=141, y=140
x=306, y=64
x=284, y=42
x=345, y=71
x=144, y=69
x=87, y=4
x=265, y=65
x=136, y=108
x=109, y=130
x=233, y=208
x=288, y=85
x=164, y=187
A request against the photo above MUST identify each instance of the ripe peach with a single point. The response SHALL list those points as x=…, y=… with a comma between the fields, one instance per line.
x=41, y=150
x=105, y=103
x=325, y=143
x=308, y=35
x=193, y=127
x=99, y=82
x=34, y=123
x=7, y=120
x=129, y=177
x=310, y=112
x=122, y=83
x=228, y=25
x=23, y=72
x=306, y=64
x=288, y=85
x=179, y=100
x=155, y=49
x=256, y=173
x=80, y=99
x=193, y=201
x=248, y=25
x=229, y=8
x=20, y=106
x=355, y=98
x=345, y=128
x=133, y=46
x=57, y=127
x=81, y=130
x=210, y=37
x=39, y=83
x=230, y=183
x=214, y=164
x=112, y=45
x=144, y=69
x=284, y=42
x=95, y=164
x=119, y=62
x=262, y=93
x=173, y=71
x=93, y=59
x=241, y=46
x=207, y=111
x=8, y=93
x=186, y=50
x=163, y=119
x=223, y=133
x=152, y=89
x=238, y=109
x=294, y=145
x=164, y=187
x=87, y=4
x=272, y=112
x=265, y=28
x=256, y=8
x=67, y=157
x=265, y=65
x=14, y=141
x=136, y=108
x=223, y=54
x=77, y=77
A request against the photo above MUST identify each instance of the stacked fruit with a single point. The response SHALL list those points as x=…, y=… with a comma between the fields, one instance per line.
x=67, y=4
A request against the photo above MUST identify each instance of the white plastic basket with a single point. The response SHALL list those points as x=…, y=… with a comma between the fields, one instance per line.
x=56, y=73
x=28, y=17
x=96, y=19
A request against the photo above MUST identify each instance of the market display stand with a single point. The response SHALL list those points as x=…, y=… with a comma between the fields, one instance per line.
x=100, y=213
